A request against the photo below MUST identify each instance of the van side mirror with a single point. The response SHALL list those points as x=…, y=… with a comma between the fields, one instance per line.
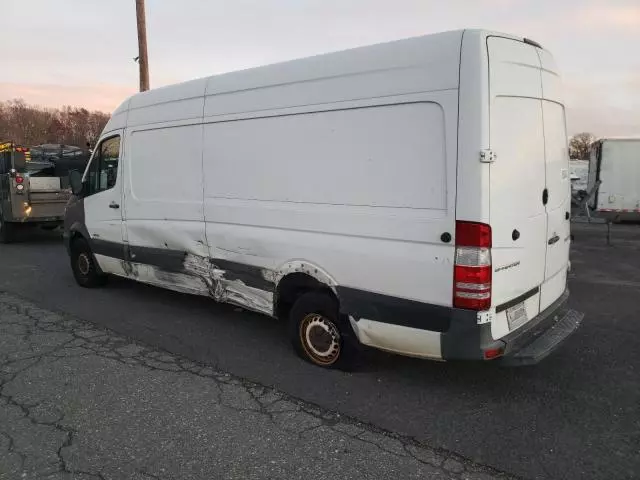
x=75, y=179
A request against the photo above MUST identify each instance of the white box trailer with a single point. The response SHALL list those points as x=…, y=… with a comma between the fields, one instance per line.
x=370, y=196
x=615, y=163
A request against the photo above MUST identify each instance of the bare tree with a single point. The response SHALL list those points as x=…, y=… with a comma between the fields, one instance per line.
x=580, y=145
x=30, y=125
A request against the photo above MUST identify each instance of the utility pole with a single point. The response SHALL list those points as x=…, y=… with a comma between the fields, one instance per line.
x=143, y=59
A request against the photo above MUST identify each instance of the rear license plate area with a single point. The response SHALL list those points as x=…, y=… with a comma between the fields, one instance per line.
x=516, y=316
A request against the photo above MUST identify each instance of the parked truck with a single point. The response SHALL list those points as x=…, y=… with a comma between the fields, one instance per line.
x=34, y=188
x=615, y=165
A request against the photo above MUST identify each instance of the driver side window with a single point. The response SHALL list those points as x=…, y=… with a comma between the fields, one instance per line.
x=103, y=170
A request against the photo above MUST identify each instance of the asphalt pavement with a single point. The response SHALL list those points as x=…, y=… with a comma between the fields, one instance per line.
x=576, y=415
x=81, y=402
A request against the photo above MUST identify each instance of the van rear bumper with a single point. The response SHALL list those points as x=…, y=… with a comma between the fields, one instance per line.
x=546, y=342
x=525, y=346
x=453, y=334
x=541, y=336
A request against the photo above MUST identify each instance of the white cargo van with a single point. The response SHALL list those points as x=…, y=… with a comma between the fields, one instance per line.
x=370, y=197
x=615, y=163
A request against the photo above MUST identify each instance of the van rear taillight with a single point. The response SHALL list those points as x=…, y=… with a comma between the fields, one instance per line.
x=472, y=270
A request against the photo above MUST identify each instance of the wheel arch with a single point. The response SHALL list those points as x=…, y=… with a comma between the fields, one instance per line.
x=295, y=278
x=78, y=231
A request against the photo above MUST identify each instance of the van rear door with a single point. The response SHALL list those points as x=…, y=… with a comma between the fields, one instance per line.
x=558, y=183
x=558, y=205
x=518, y=180
x=530, y=186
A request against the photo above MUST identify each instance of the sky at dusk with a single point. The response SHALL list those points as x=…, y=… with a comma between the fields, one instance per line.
x=80, y=52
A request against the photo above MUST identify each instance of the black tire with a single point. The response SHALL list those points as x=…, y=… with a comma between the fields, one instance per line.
x=319, y=334
x=7, y=232
x=84, y=267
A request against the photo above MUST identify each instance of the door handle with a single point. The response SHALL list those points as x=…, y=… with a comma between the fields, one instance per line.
x=114, y=205
x=553, y=240
x=545, y=196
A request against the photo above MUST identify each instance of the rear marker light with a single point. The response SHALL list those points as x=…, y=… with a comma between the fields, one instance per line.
x=19, y=180
x=472, y=270
x=492, y=353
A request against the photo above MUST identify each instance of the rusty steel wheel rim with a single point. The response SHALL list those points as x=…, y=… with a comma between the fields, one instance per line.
x=84, y=266
x=320, y=339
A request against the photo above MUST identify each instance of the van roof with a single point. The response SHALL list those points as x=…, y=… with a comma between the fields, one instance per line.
x=426, y=49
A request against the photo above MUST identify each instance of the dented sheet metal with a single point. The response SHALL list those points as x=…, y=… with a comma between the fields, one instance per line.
x=224, y=281
x=237, y=292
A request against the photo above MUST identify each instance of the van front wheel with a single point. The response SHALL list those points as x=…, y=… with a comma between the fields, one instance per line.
x=84, y=265
x=318, y=333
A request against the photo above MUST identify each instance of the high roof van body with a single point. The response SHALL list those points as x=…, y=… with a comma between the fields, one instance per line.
x=411, y=196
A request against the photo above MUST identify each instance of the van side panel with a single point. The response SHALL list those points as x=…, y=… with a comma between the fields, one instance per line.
x=362, y=193
x=390, y=156
x=343, y=164
x=164, y=219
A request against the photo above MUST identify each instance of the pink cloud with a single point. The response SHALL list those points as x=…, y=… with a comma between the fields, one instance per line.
x=608, y=104
x=104, y=97
x=627, y=17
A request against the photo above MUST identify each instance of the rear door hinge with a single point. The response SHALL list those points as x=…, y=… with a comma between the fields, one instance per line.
x=487, y=156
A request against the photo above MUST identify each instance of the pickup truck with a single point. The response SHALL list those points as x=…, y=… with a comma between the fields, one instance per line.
x=33, y=191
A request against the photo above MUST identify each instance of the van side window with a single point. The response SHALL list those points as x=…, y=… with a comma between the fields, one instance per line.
x=103, y=171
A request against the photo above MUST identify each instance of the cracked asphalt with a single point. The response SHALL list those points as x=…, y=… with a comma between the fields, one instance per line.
x=574, y=416
x=78, y=401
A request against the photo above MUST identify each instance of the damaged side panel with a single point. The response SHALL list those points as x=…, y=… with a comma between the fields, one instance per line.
x=236, y=284
x=235, y=291
x=183, y=282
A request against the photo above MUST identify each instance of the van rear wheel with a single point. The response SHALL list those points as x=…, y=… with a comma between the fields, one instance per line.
x=319, y=334
x=84, y=265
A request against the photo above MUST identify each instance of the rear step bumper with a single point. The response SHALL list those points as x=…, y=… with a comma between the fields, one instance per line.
x=536, y=340
x=546, y=342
